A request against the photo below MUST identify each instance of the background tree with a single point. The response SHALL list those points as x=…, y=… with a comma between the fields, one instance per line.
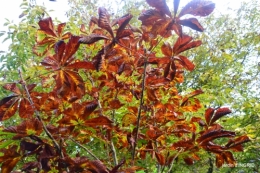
x=223, y=56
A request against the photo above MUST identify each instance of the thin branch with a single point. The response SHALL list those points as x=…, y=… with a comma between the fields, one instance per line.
x=38, y=115
x=111, y=142
x=210, y=169
x=89, y=152
x=169, y=171
x=114, y=152
x=139, y=111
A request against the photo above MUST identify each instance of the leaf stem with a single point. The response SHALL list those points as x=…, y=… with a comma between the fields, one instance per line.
x=86, y=149
x=169, y=171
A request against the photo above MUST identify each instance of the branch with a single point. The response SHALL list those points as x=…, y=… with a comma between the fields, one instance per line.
x=100, y=108
x=169, y=171
x=38, y=115
x=89, y=152
x=139, y=111
x=210, y=170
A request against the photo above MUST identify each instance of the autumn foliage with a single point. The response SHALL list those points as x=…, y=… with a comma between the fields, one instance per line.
x=120, y=102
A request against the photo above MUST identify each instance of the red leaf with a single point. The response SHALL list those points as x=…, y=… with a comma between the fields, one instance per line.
x=181, y=41
x=189, y=161
x=90, y=107
x=8, y=109
x=167, y=70
x=193, y=23
x=12, y=87
x=208, y=115
x=124, y=33
x=148, y=17
x=166, y=49
x=115, y=104
x=190, y=95
x=92, y=38
x=219, y=160
x=177, y=29
x=220, y=113
x=103, y=21
x=186, y=63
x=212, y=134
x=96, y=166
x=123, y=21
x=25, y=109
x=71, y=47
x=81, y=65
x=198, y=8
x=229, y=158
x=189, y=46
x=114, y=170
x=7, y=99
x=236, y=145
x=160, y=158
x=9, y=159
x=47, y=26
x=160, y=5
x=99, y=121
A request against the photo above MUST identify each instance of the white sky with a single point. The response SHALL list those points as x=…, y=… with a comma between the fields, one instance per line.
x=10, y=9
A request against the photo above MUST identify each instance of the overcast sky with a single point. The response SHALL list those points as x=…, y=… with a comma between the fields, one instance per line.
x=11, y=10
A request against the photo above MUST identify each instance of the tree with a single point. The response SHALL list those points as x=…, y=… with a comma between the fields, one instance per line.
x=119, y=95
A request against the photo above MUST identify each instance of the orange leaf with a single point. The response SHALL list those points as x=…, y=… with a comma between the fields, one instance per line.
x=166, y=49
x=181, y=41
x=219, y=160
x=9, y=164
x=190, y=95
x=128, y=119
x=186, y=63
x=229, y=158
x=25, y=109
x=8, y=109
x=115, y=104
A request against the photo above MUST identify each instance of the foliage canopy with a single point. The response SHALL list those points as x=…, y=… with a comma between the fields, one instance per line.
x=112, y=97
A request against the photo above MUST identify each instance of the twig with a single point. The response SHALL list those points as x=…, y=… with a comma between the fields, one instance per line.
x=111, y=142
x=210, y=169
x=38, y=115
x=139, y=111
x=169, y=171
x=89, y=152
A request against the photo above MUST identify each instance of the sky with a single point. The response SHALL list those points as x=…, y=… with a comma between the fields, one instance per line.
x=10, y=9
